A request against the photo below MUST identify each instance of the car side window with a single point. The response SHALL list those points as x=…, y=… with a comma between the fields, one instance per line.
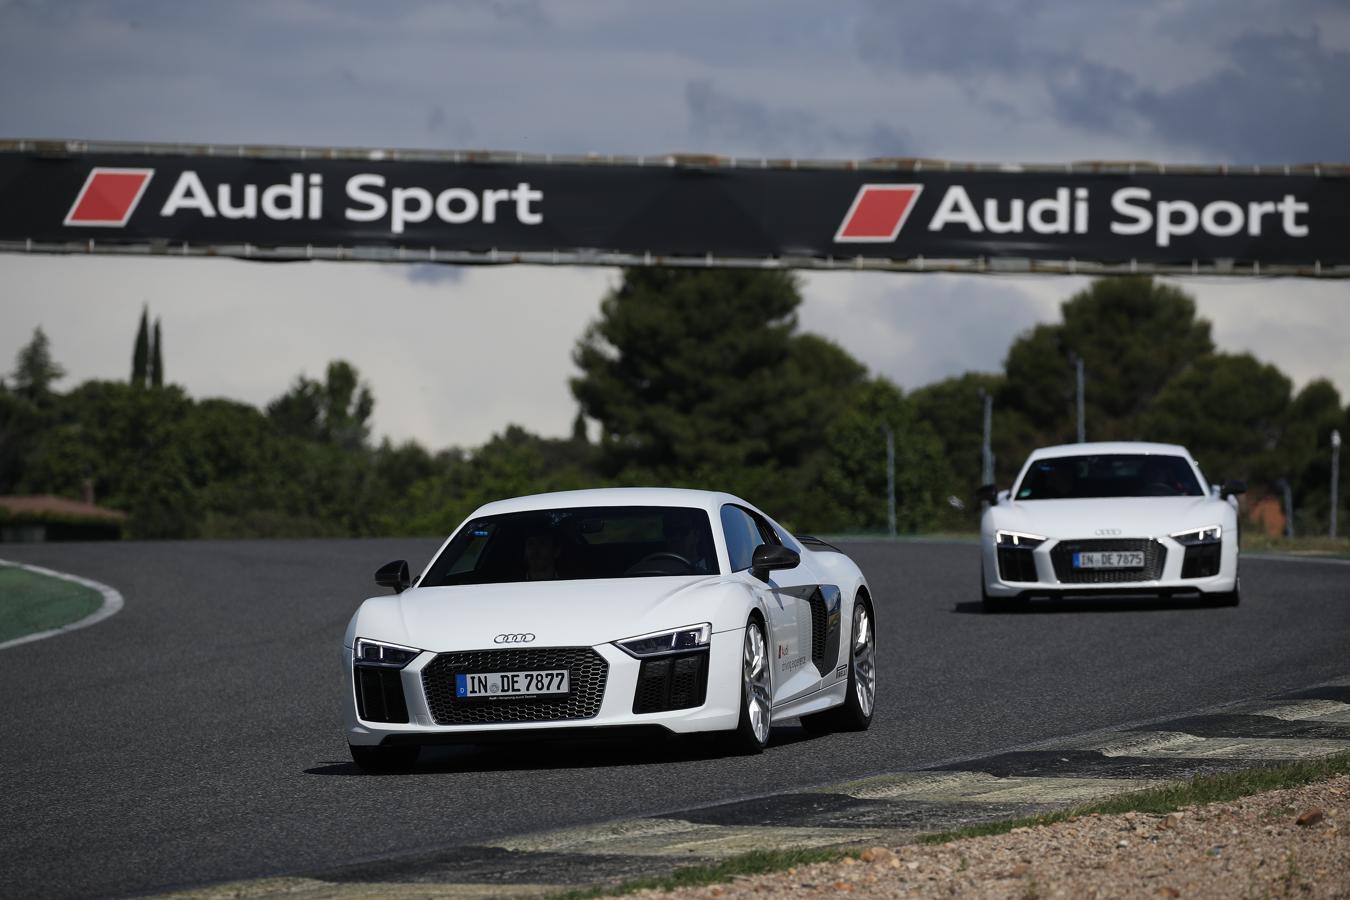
x=766, y=533
x=743, y=536
x=783, y=537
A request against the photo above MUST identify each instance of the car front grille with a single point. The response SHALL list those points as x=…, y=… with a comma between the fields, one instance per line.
x=587, y=673
x=1062, y=557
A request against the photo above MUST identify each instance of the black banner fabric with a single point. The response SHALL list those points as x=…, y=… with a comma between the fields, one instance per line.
x=681, y=211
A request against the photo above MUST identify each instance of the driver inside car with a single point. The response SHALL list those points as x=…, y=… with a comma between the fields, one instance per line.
x=682, y=538
x=541, y=556
x=1159, y=479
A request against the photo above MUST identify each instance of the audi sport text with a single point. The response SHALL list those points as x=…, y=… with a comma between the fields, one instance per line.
x=879, y=212
x=370, y=200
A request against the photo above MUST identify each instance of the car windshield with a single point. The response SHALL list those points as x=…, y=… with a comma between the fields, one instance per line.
x=1109, y=475
x=570, y=544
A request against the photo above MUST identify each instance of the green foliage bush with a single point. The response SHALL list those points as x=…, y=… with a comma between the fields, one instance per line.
x=696, y=378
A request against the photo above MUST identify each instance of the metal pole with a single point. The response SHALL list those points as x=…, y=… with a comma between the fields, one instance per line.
x=986, y=446
x=1335, y=477
x=1288, y=507
x=1082, y=425
x=890, y=479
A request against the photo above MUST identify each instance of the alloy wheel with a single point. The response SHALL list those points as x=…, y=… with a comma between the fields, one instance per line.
x=755, y=672
x=864, y=659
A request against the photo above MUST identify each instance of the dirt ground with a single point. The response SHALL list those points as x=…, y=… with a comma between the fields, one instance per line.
x=1288, y=843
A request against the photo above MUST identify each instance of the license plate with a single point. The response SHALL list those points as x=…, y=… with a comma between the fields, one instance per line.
x=1107, y=559
x=511, y=684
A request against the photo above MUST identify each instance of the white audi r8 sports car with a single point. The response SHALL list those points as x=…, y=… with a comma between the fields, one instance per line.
x=1110, y=518
x=590, y=612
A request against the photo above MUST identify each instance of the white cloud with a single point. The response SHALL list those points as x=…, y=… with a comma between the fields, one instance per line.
x=449, y=362
x=920, y=328
x=916, y=329
x=1302, y=328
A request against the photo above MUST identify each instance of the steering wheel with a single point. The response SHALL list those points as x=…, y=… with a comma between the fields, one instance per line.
x=642, y=566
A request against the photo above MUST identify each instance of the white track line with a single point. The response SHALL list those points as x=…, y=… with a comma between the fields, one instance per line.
x=112, y=603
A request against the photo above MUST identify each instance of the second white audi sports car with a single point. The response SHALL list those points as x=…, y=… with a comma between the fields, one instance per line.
x=658, y=609
x=1110, y=518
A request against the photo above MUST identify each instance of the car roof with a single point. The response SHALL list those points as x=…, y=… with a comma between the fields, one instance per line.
x=710, y=501
x=1144, y=447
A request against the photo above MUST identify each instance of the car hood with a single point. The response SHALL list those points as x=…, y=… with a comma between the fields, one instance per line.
x=557, y=613
x=1118, y=516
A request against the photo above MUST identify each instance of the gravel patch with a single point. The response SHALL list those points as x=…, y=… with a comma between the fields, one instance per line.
x=1287, y=843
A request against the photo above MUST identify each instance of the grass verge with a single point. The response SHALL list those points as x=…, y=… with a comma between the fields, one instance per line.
x=30, y=602
x=1200, y=790
x=1254, y=541
x=757, y=863
x=1217, y=788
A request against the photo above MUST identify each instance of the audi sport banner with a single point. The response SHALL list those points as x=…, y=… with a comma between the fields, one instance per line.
x=496, y=208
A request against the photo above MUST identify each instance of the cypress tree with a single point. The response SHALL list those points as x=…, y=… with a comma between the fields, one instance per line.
x=157, y=359
x=140, y=357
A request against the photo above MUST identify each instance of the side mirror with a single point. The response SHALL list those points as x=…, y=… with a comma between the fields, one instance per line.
x=768, y=557
x=987, y=493
x=1233, y=488
x=394, y=575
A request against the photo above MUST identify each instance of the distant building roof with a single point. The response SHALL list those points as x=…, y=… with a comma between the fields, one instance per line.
x=47, y=504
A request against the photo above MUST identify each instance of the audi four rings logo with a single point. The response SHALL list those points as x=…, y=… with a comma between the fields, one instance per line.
x=513, y=638
x=1107, y=532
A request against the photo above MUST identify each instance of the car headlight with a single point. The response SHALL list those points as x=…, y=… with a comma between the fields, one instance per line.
x=376, y=653
x=678, y=640
x=1018, y=539
x=1210, y=534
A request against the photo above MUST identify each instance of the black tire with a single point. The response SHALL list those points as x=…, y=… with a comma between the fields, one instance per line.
x=751, y=734
x=1228, y=598
x=381, y=760
x=989, y=604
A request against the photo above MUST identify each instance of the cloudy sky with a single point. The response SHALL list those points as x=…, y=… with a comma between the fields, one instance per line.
x=453, y=356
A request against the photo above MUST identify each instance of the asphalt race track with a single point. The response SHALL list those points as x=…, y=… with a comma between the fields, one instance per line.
x=195, y=736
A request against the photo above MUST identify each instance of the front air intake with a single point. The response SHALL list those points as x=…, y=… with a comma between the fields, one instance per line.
x=379, y=695
x=1016, y=564
x=672, y=682
x=1202, y=560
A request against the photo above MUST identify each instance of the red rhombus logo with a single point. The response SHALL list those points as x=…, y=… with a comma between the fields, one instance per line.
x=878, y=213
x=109, y=197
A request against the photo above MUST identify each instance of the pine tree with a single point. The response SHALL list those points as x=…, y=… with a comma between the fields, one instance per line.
x=140, y=357
x=157, y=359
x=35, y=370
x=693, y=371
